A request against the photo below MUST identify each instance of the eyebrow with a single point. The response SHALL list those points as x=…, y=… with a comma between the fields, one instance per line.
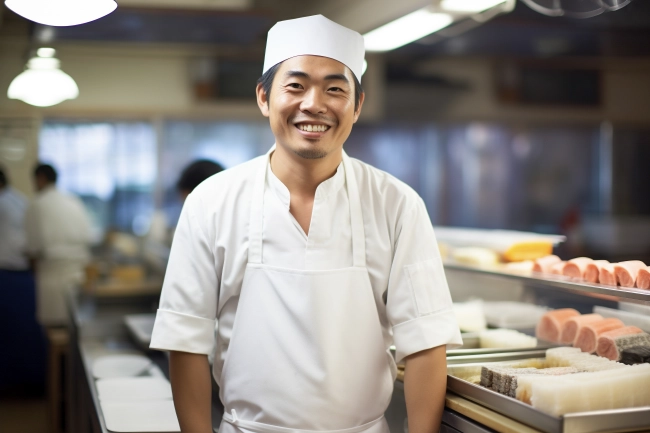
x=330, y=77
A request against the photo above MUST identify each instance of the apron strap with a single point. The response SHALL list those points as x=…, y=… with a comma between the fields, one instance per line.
x=256, y=222
x=257, y=214
x=256, y=427
x=356, y=216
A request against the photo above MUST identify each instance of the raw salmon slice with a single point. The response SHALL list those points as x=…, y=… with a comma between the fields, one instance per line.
x=643, y=278
x=606, y=275
x=572, y=326
x=576, y=268
x=557, y=268
x=550, y=325
x=587, y=338
x=592, y=273
x=626, y=272
x=612, y=343
x=543, y=264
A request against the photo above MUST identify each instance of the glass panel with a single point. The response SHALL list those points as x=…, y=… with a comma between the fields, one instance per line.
x=110, y=165
x=228, y=143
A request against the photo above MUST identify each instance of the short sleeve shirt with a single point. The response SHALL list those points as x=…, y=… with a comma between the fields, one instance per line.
x=210, y=249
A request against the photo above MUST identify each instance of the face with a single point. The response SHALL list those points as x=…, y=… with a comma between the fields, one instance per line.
x=40, y=181
x=311, y=106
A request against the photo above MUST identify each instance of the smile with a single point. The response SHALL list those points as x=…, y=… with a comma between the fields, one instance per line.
x=312, y=128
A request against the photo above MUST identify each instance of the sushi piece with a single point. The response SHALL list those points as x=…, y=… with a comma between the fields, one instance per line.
x=543, y=264
x=576, y=268
x=587, y=338
x=550, y=325
x=557, y=268
x=574, y=357
x=523, y=267
x=606, y=275
x=612, y=343
x=636, y=355
x=626, y=272
x=643, y=278
x=476, y=256
x=625, y=387
x=572, y=326
x=505, y=338
x=592, y=273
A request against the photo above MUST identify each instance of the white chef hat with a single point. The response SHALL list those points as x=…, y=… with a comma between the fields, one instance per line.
x=317, y=36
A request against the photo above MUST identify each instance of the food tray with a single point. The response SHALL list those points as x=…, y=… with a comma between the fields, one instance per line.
x=617, y=420
x=471, y=347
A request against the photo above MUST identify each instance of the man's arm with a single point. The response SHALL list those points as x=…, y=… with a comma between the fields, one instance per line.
x=425, y=383
x=192, y=388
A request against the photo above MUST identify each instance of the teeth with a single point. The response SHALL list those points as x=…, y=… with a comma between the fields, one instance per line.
x=313, y=128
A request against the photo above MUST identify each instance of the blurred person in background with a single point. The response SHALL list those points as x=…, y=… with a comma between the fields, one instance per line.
x=194, y=174
x=58, y=243
x=191, y=176
x=12, y=231
x=22, y=372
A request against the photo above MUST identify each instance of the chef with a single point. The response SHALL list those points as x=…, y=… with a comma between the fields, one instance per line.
x=312, y=264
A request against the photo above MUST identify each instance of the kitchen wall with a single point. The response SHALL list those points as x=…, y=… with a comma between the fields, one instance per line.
x=134, y=82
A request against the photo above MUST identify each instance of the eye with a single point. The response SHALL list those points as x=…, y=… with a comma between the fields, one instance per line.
x=336, y=89
x=294, y=85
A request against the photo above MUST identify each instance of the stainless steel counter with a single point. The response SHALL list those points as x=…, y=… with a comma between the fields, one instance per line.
x=97, y=329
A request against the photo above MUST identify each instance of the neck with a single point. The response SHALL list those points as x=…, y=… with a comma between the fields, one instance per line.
x=302, y=176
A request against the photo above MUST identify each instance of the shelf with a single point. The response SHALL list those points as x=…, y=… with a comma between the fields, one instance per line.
x=559, y=282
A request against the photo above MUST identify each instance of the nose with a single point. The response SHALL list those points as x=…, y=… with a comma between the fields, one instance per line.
x=314, y=101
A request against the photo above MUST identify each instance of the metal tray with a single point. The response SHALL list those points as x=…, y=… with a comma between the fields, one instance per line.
x=617, y=420
x=471, y=346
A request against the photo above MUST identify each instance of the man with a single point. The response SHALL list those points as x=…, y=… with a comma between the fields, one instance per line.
x=58, y=241
x=312, y=263
x=194, y=174
x=12, y=230
x=20, y=335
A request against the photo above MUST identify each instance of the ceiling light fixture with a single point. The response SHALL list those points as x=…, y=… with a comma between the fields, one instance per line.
x=469, y=5
x=406, y=29
x=43, y=84
x=62, y=12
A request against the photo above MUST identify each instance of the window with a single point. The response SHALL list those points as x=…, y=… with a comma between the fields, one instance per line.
x=112, y=166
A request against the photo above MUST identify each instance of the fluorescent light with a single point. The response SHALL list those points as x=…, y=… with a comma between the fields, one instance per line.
x=43, y=84
x=469, y=5
x=405, y=30
x=61, y=12
x=45, y=52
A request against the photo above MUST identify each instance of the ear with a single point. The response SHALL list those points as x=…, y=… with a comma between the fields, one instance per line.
x=362, y=97
x=262, y=100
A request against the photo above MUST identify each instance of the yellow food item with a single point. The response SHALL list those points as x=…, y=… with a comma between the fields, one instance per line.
x=530, y=250
x=128, y=273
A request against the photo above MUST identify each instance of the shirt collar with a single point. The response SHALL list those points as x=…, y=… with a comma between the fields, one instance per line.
x=324, y=190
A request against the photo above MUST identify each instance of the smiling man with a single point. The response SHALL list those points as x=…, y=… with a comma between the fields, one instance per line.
x=311, y=263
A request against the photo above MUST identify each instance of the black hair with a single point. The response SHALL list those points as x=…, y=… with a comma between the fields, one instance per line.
x=197, y=172
x=47, y=171
x=3, y=178
x=266, y=80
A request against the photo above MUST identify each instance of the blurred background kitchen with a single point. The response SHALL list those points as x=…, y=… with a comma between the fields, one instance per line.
x=505, y=117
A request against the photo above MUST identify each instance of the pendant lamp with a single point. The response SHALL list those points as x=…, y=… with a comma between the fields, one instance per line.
x=61, y=12
x=43, y=84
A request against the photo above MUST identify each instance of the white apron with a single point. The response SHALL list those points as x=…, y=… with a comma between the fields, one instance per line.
x=306, y=351
x=54, y=278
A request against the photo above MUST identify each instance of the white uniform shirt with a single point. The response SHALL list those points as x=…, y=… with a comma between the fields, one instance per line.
x=210, y=247
x=58, y=227
x=12, y=230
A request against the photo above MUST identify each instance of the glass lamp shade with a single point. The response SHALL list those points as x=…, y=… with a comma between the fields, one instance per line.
x=62, y=12
x=43, y=84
